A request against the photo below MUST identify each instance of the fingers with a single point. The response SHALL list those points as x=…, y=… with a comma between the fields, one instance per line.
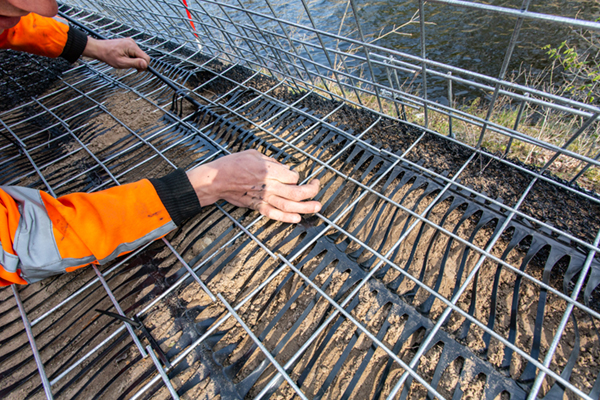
x=283, y=174
x=119, y=53
x=280, y=172
x=294, y=192
x=251, y=179
x=300, y=207
x=145, y=58
x=130, y=55
x=273, y=213
x=142, y=60
x=288, y=208
x=125, y=62
x=271, y=204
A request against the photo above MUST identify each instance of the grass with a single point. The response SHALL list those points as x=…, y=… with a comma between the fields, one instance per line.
x=551, y=126
x=546, y=125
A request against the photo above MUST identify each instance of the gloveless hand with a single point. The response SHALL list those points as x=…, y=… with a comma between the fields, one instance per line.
x=250, y=179
x=118, y=53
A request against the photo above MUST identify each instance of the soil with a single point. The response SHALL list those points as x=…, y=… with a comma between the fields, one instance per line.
x=342, y=362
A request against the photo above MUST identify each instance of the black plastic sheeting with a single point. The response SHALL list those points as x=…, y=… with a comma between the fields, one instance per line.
x=485, y=215
x=337, y=255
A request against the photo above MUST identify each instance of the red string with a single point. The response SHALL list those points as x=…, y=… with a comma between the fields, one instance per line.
x=189, y=14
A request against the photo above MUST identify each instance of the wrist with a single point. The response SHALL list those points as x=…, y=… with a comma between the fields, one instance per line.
x=93, y=49
x=204, y=182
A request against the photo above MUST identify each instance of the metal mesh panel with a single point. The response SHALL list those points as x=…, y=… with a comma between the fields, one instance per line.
x=428, y=272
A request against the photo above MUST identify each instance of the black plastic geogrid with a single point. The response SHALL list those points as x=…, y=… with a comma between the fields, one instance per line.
x=363, y=159
x=230, y=362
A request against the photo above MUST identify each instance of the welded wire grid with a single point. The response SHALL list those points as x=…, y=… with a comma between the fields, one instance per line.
x=331, y=264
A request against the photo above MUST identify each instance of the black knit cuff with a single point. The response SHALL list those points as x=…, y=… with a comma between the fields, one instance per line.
x=76, y=42
x=177, y=195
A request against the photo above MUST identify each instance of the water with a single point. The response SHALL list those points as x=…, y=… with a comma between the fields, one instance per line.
x=464, y=38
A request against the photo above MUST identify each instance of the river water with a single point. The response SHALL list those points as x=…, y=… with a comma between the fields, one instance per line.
x=465, y=38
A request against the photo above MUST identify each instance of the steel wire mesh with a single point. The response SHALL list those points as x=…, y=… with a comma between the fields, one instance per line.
x=378, y=295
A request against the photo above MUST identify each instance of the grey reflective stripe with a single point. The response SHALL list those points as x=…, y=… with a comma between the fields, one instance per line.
x=34, y=241
x=32, y=275
x=9, y=262
x=155, y=234
x=61, y=20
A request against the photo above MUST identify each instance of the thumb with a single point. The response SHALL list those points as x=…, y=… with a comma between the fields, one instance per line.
x=128, y=62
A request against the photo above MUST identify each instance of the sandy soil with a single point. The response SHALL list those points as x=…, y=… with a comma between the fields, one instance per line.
x=342, y=362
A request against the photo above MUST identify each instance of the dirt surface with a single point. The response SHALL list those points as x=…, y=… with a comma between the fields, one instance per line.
x=342, y=362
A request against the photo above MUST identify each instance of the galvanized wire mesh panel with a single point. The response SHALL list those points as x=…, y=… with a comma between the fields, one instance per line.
x=427, y=272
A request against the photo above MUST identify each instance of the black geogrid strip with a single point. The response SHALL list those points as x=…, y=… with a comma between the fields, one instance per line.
x=476, y=210
x=550, y=262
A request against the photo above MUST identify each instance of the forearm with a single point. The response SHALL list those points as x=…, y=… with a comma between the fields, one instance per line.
x=42, y=236
x=51, y=38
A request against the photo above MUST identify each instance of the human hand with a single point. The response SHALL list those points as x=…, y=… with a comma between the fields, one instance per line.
x=118, y=53
x=253, y=180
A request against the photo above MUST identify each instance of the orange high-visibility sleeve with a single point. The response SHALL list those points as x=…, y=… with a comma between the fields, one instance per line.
x=45, y=37
x=106, y=222
x=37, y=35
x=42, y=236
x=9, y=215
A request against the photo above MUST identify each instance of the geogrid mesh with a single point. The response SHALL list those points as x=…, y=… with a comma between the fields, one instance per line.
x=434, y=268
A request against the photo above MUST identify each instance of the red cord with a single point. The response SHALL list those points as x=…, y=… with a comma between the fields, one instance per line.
x=189, y=14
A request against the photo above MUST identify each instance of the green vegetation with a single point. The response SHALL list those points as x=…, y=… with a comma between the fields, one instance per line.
x=574, y=73
x=542, y=123
x=578, y=66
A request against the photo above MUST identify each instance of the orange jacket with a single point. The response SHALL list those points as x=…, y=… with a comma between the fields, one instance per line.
x=45, y=37
x=42, y=236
